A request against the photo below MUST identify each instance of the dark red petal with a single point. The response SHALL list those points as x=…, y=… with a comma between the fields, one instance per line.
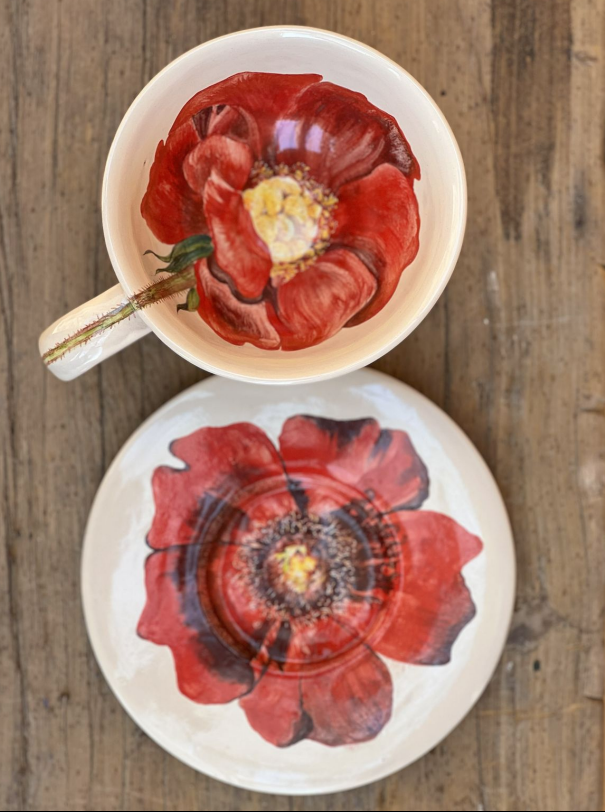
x=381, y=463
x=349, y=703
x=238, y=611
x=273, y=503
x=221, y=119
x=239, y=250
x=317, y=302
x=434, y=604
x=395, y=473
x=263, y=97
x=378, y=218
x=233, y=320
x=172, y=210
x=223, y=578
x=231, y=160
x=333, y=637
x=341, y=136
x=274, y=710
x=207, y=671
x=322, y=493
x=220, y=462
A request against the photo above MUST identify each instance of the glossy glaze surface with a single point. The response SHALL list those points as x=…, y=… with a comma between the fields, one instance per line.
x=307, y=191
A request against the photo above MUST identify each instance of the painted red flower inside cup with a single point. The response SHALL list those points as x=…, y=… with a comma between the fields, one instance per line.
x=286, y=578
x=306, y=190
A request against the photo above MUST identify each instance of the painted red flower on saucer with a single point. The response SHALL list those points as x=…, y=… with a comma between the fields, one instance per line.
x=293, y=198
x=286, y=578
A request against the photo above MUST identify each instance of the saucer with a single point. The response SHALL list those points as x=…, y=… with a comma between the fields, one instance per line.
x=298, y=590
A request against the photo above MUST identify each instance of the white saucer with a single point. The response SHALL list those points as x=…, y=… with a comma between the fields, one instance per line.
x=332, y=632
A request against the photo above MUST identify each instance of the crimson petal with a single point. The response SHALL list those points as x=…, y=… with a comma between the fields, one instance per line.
x=381, y=463
x=231, y=160
x=333, y=638
x=395, y=472
x=239, y=106
x=220, y=462
x=347, y=703
x=221, y=119
x=317, y=302
x=274, y=709
x=378, y=218
x=239, y=250
x=341, y=136
x=234, y=320
x=170, y=207
x=434, y=603
x=261, y=97
x=207, y=671
x=350, y=703
x=239, y=611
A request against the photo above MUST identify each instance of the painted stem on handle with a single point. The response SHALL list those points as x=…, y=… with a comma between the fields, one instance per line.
x=175, y=283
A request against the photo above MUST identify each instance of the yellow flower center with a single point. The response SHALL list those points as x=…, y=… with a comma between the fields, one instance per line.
x=292, y=214
x=297, y=566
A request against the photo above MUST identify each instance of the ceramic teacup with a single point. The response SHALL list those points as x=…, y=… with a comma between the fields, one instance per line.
x=316, y=188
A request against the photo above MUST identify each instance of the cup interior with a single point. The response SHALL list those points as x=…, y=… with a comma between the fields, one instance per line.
x=441, y=194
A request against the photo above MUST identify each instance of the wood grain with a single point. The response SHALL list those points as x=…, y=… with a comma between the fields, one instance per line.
x=514, y=351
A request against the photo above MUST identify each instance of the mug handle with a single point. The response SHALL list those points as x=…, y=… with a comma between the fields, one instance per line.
x=100, y=345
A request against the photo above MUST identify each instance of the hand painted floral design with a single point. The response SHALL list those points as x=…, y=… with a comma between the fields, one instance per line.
x=306, y=190
x=284, y=578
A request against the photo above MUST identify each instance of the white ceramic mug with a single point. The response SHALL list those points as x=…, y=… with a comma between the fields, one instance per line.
x=441, y=195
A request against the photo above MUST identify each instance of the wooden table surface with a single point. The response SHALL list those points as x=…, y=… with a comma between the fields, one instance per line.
x=514, y=351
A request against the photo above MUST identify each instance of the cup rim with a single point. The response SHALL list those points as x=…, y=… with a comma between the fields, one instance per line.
x=363, y=360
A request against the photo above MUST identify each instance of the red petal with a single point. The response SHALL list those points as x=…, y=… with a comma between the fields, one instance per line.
x=316, y=303
x=238, y=611
x=233, y=320
x=224, y=578
x=321, y=494
x=273, y=503
x=221, y=119
x=434, y=603
x=350, y=703
x=263, y=97
x=220, y=462
x=378, y=218
x=231, y=160
x=274, y=708
x=383, y=464
x=239, y=250
x=395, y=473
x=207, y=671
x=332, y=638
x=172, y=210
x=341, y=136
